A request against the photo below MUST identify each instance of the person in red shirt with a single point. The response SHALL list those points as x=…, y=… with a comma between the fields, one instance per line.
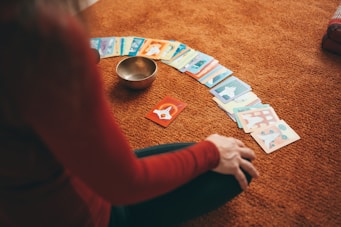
x=64, y=160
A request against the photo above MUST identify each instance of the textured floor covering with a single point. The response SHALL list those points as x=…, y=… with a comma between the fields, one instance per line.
x=275, y=47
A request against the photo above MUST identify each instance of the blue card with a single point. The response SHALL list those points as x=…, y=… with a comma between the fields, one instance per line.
x=198, y=63
x=216, y=70
x=246, y=108
x=181, y=47
x=135, y=46
x=105, y=46
x=230, y=89
x=218, y=78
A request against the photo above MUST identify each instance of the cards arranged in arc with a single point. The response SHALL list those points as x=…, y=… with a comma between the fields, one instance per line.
x=231, y=94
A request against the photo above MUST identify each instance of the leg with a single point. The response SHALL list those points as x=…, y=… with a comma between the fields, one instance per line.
x=201, y=195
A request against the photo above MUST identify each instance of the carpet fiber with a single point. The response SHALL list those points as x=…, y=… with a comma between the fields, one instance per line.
x=274, y=46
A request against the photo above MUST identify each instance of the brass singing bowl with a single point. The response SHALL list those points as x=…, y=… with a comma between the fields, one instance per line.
x=136, y=72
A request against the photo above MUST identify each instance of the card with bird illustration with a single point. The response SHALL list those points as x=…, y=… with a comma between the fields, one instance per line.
x=275, y=136
x=166, y=111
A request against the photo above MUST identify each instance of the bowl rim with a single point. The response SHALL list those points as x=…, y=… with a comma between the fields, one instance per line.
x=149, y=59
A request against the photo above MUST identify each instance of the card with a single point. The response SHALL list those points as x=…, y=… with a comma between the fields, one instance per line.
x=152, y=48
x=275, y=136
x=117, y=49
x=231, y=116
x=237, y=110
x=166, y=111
x=184, y=58
x=95, y=43
x=218, y=78
x=183, y=69
x=205, y=70
x=170, y=50
x=123, y=40
x=198, y=63
x=230, y=89
x=105, y=46
x=215, y=76
x=215, y=71
x=179, y=51
x=247, y=99
x=127, y=41
x=257, y=118
x=135, y=46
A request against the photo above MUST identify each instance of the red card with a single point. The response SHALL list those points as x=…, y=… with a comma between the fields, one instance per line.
x=166, y=111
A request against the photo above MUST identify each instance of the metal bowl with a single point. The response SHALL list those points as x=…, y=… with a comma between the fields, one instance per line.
x=136, y=72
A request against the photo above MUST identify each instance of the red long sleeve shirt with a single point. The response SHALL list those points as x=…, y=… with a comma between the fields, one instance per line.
x=63, y=159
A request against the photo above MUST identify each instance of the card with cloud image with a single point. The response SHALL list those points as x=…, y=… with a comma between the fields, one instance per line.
x=104, y=45
x=215, y=79
x=247, y=99
x=207, y=69
x=230, y=89
x=275, y=136
x=254, y=119
x=135, y=46
x=237, y=110
x=199, y=62
x=153, y=48
x=170, y=50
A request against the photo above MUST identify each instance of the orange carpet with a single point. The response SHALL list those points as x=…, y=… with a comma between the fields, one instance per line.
x=274, y=46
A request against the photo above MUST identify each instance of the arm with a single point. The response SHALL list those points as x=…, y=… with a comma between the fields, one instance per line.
x=64, y=102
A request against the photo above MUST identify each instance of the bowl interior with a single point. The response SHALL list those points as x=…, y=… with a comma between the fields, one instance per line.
x=136, y=68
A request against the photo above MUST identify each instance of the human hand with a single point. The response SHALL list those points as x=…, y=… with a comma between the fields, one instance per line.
x=233, y=155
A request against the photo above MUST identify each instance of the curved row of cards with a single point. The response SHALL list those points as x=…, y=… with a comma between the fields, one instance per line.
x=230, y=93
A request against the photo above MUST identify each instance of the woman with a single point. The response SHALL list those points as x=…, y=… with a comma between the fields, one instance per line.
x=63, y=159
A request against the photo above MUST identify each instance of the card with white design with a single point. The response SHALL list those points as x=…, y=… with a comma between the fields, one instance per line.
x=247, y=108
x=230, y=89
x=178, y=52
x=153, y=48
x=208, y=68
x=247, y=99
x=257, y=118
x=166, y=111
x=215, y=76
x=170, y=50
x=215, y=71
x=184, y=58
x=135, y=46
x=198, y=63
x=275, y=136
x=218, y=78
x=104, y=45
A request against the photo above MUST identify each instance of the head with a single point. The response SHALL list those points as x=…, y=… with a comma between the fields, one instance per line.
x=21, y=26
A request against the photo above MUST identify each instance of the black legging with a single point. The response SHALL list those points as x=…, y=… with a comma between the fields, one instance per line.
x=199, y=196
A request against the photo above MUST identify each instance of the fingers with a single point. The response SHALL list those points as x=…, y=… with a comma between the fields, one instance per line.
x=240, y=175
x=249, y=168
x=239, y=143
x=241, y=178
x=235, y=158
x=247, y=153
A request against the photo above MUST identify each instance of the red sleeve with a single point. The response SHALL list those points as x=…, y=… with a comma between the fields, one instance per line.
x=64, y=102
